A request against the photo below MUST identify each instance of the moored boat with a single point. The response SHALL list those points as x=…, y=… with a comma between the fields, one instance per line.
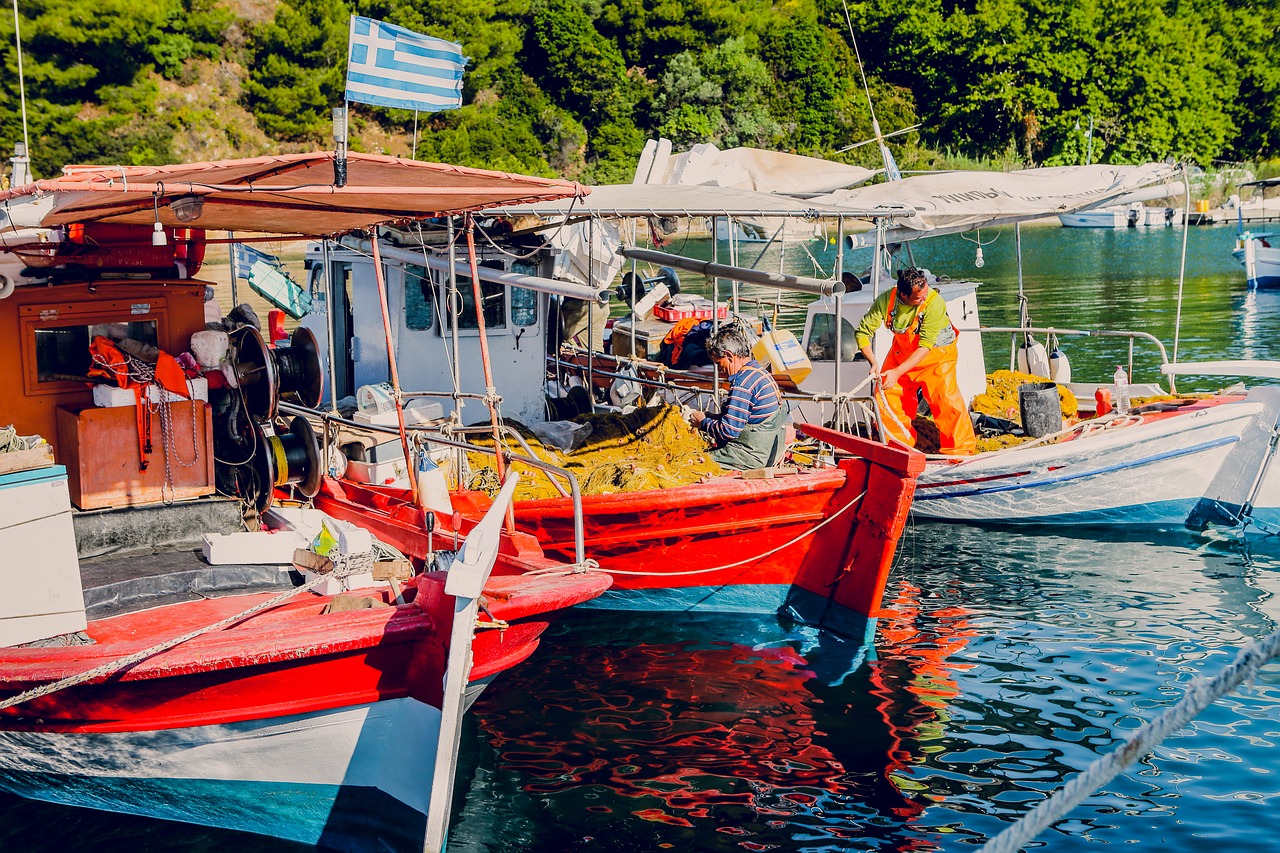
x=223, y=692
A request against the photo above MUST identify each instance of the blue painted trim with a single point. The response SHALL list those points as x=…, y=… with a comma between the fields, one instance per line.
x=1159, y=457
x=740, y=598
x=333, y=817
x=1154, y=514
x=791, y=601
x=35, y=475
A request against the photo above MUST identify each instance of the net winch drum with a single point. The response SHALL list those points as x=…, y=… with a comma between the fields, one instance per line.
x=287, y=459
x=633, y=288
x=265, y=374
x=1041, y=408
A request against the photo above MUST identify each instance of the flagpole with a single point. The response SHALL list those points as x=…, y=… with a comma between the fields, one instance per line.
x=231, y=248
x=415, y=135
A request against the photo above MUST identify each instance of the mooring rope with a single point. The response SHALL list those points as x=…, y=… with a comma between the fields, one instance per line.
x=1200, y=694
x=341, y=569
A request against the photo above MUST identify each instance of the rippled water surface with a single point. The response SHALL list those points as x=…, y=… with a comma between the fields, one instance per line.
x=1010, y=660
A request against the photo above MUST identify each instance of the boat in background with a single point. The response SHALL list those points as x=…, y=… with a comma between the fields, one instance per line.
x=1135, y=215
x=1259, y=251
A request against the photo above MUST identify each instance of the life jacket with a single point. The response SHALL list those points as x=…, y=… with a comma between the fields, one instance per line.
x=943, y=337
x=108, y=362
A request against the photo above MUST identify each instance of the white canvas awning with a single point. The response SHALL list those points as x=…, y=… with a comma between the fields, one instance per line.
x=950, y=202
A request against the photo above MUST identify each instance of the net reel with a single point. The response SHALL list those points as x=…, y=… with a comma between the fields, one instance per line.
x=633, y=287
x=284, y=459
x=265, y=375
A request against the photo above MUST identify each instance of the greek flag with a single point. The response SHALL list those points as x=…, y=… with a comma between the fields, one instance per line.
x=246, y=256
x=389, y=66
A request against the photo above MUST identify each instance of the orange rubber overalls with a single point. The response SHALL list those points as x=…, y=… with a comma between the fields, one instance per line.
x=935, y=376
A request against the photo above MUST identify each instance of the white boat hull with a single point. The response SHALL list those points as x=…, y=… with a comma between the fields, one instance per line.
x=1149, y=474
x=351, y=779
x=1261, y=262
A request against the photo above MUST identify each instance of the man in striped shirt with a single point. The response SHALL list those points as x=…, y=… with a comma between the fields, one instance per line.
x=750, y=431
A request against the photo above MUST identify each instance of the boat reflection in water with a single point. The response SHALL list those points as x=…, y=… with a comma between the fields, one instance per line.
x=1009, y=662
x=734, y=730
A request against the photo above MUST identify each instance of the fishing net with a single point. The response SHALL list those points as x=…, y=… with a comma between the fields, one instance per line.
x=1000, y=400
x=648, y=448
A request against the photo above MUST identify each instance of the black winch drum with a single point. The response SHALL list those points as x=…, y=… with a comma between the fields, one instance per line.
x=1041, y=408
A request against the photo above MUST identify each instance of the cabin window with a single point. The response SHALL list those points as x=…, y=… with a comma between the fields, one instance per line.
x=524, y=302
x=493, y=297
x=62, y=353
x=822, y=339
x=419, y=298
x=524, y=307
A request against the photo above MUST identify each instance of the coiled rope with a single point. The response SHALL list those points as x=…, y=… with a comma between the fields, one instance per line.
x=1200, y=694
x=341, y=569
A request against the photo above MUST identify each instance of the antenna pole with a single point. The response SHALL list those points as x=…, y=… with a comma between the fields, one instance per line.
x=891, y=172
x=22, y=85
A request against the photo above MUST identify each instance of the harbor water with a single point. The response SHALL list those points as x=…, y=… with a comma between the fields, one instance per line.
x=1009, y=661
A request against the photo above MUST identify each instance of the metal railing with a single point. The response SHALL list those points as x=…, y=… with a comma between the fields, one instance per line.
x=426, y=433
x=1014, y=331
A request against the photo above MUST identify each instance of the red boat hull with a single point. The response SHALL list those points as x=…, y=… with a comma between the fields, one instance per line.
x=819, y=541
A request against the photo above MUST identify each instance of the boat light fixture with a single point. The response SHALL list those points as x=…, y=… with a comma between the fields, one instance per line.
x=187, y=208
x=158, y=237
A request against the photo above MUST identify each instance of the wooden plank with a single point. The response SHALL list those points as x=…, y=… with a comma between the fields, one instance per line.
x=909, y=462
x=26, y=460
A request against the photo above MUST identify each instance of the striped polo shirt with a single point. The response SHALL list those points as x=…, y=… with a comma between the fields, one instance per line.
x=753, y=399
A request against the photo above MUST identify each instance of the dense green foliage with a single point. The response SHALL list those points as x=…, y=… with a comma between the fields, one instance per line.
x=575, y=87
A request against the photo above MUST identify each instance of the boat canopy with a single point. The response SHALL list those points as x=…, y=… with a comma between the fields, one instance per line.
x=751, y=169
x=643, y=200
x=949, y=202
x=295, y=194
x=1264, y=183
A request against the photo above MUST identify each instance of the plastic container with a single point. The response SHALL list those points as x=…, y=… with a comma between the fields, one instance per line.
x=700, y=310
x=1121, y=380
x=779, y=352
x=1041, y=408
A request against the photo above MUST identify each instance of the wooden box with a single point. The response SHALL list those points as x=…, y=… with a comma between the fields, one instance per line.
x=99, y=446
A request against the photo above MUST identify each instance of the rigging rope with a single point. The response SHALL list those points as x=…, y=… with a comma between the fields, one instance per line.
x=1200, y=694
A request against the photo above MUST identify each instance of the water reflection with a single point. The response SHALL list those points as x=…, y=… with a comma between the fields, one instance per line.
x=1007, y=663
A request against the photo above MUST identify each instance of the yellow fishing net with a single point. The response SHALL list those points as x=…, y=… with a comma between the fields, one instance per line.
x=1000, y=400
x=651, y=447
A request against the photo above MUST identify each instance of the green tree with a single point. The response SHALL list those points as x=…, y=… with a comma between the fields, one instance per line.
x=298, y=69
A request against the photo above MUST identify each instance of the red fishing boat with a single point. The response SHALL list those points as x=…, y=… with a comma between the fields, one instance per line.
x=142, y=680
x=818, y=542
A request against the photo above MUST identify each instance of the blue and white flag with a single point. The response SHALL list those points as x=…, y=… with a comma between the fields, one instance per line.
x=389, y=66
x=246, y=256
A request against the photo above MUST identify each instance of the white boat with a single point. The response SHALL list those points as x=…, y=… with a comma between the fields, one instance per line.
x=1124, y=216
x=1118, y=216
x=1259, y=254
x=1258, y=251
x=1149, y=467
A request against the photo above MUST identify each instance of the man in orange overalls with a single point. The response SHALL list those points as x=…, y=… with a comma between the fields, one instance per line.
x=922, y=358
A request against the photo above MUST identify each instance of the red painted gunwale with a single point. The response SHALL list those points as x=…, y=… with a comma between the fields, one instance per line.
x=672, y=535
x=290, y=659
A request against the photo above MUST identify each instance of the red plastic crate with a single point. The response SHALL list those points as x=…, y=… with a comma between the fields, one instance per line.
x=685, y=311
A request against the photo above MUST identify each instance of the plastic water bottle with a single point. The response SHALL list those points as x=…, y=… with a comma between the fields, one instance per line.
x=1122, y=391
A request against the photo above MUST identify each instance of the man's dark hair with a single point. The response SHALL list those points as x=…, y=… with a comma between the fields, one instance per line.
x=730, y=339
x=910, y=280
